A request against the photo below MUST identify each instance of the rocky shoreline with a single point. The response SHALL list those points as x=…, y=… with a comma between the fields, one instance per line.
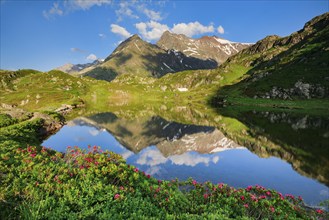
x=52, y=120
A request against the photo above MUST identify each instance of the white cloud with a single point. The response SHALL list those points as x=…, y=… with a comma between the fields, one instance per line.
x=324, y=192
x=72, y=5
x=215, y=159
x=192, y=28
x=74, y=49
x=151, y=157
x=93, y=131
x=189, y=159
x=153, y=15
x=127, y=154
x=220, y=29
x=55, y=10
x=129, y=9
x=153, y=170
x=86, y=4
x=125, y=11
x=91, y=57
x=102, y=35
x=151, y=30
x=116, y=29
x=161, y=3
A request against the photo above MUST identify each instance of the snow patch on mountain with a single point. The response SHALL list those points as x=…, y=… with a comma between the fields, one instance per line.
x=205, y=48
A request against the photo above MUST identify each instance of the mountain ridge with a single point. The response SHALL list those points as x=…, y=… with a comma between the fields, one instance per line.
x=135, y=56
x=78, y=68
x=206, y=47
x=138, y=57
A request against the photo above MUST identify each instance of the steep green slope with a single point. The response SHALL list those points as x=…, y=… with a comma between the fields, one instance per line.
x=291, y=68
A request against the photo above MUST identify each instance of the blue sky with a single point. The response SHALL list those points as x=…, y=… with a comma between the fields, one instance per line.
x=46, y=34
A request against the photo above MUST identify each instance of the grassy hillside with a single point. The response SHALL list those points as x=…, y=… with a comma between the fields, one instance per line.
x=291, y=68
x=8, y=78
x=34, y=90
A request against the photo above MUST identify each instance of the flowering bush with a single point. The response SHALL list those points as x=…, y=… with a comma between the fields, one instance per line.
x=39, y=183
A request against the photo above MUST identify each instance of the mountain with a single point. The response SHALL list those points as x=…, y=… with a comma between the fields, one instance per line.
x=204, y=48
x=173, y=53
x=171, y=138
x=290, y=68
x=78, y=68
x=137, y=57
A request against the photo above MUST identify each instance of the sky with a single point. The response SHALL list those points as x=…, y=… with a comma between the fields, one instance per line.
x=46, y=34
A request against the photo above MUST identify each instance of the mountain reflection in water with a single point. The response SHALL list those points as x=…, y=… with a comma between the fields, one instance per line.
x=302, y=140
x=169, y=150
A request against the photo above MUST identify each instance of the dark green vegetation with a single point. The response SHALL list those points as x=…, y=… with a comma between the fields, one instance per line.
x=289, y=73
x=21, y=128
x=298, y=138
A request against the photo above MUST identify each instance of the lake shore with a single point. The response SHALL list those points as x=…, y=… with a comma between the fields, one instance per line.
x=48, y=183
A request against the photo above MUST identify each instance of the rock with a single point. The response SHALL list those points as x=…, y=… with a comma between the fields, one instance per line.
x=263, y=44
x=299, y=90
x=163, y=88
x=302, y=89
x=50, y=125
x=65, y=109
x=258, y=76
x=182, y=89
x=163, y=108
x=6, y=106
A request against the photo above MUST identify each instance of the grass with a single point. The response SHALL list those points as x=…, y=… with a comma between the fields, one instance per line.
x=305, y=61
x=6, y=120
x=54, y=89
x=8, y=78
x=38, y=183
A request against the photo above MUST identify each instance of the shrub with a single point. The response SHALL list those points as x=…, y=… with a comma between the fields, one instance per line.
x=39, y=183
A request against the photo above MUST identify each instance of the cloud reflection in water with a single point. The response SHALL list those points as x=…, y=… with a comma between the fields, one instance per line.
x=153, y=157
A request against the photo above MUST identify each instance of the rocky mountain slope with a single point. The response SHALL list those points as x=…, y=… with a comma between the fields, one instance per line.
x=204, y=48
x=292, y=67
x=78, y=68
x=137, y=57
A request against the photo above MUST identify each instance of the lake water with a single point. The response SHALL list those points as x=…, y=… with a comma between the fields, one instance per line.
x=167, y=149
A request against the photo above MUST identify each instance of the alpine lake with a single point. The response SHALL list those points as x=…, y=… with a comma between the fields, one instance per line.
x=280, y=149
